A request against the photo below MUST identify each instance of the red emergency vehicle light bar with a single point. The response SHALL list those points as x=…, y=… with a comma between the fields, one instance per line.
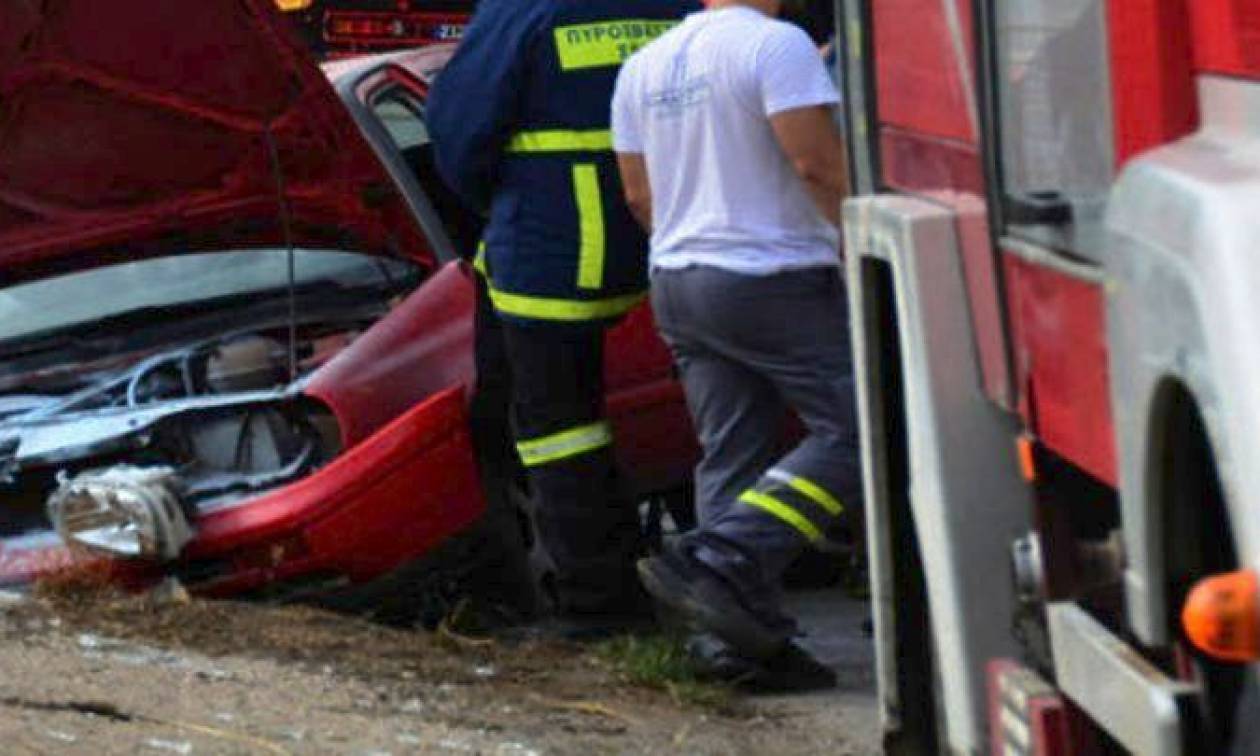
x=393, y=29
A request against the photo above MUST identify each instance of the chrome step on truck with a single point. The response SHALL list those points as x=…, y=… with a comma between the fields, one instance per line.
x=1101, y=678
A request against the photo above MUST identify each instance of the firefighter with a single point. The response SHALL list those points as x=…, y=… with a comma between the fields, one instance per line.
x=520, y=124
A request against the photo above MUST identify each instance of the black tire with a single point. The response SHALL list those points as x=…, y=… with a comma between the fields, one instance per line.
x=1199, y=542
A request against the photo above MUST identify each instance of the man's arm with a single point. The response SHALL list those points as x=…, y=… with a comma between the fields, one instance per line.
x=628, y=143
x=812, y=142
x=474, y=101
x=799, y=98
x=638, y=191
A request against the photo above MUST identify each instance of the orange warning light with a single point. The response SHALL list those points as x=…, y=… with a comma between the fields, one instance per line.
x=1222, y=616
x=1025, y=448
x=289, y=6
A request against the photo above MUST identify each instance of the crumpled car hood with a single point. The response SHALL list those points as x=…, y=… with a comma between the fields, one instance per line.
x=152, y=127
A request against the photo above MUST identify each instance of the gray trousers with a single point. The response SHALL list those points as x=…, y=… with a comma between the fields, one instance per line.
x=749, y=348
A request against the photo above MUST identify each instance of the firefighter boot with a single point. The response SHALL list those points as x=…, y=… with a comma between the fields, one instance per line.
x=711, y=603
x=792, y=670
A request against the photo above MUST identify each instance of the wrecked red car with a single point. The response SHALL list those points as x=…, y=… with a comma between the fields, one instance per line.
x=238, y=331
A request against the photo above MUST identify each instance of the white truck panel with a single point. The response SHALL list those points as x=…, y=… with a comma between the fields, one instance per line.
x=969, y=501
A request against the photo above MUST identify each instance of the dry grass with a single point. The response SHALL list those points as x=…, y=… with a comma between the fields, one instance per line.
x=660, y=662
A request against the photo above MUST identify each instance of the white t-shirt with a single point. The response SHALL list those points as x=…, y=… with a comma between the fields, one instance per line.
x=697, y=104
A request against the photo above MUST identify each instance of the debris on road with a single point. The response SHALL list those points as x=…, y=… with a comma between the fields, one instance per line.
x=170, y=591
x=123, y=673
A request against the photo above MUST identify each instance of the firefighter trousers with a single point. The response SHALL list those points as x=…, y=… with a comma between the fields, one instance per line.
x=748, y=349
x=587, y=527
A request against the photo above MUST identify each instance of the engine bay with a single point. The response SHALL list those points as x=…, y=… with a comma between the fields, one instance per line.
x=120, y=455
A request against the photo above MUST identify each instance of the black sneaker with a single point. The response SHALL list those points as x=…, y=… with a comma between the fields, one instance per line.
x=709, y=603
x=792, y=670
x=715, y=660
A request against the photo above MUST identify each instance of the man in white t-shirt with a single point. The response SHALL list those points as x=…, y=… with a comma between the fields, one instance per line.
x=730, y=155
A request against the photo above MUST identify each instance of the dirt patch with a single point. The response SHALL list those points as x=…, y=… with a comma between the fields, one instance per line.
x=312, y=637
x=108, y=673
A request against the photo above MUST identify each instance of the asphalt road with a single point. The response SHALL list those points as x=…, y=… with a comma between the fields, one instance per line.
x=847, y=718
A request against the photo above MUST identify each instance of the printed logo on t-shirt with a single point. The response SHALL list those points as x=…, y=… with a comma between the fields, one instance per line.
x=684, y=91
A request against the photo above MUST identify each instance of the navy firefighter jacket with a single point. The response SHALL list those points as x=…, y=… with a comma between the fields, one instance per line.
x=520, y=124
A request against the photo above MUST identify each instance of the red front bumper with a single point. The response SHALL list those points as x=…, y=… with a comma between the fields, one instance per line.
x=386, y=502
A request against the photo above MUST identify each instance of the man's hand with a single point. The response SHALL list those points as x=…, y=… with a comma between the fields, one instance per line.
x=634, y=180
x=812, y=142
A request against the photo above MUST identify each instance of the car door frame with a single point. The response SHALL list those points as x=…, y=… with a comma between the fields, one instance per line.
x=355, y=93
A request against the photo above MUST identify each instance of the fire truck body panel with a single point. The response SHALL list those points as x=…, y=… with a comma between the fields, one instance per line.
x=1052, y=305
x=928, y=144
x=1226, y=36
x=957, y=444
x=1053, y=302
x=1182, y=225
x=923, y=72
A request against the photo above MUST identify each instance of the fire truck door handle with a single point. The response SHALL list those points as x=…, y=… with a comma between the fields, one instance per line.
x=1041, y=208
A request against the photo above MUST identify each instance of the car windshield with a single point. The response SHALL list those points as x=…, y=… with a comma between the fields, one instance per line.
x=89, y=296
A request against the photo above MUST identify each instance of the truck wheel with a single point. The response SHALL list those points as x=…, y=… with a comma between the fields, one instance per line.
x=1199, y=542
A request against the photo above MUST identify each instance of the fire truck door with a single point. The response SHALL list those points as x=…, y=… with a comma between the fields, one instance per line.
x=1054, y=163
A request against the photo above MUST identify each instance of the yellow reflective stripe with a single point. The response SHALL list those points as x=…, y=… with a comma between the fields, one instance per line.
x=561, y=140
x=783, y=512
x=479, y=262
x=606, y=43
x=809, y=490
x=567, y=310
x=571, y=443
x=590, y=207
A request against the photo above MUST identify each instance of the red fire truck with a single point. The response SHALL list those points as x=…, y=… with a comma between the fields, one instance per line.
x=341, y=28
x=1053, y=265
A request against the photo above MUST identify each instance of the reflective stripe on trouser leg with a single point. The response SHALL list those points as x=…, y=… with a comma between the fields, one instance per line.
x=564, y=445
x=784, y=512
x=586, y=529
x=590, y=208
x=798, y=502
x=809, y=489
